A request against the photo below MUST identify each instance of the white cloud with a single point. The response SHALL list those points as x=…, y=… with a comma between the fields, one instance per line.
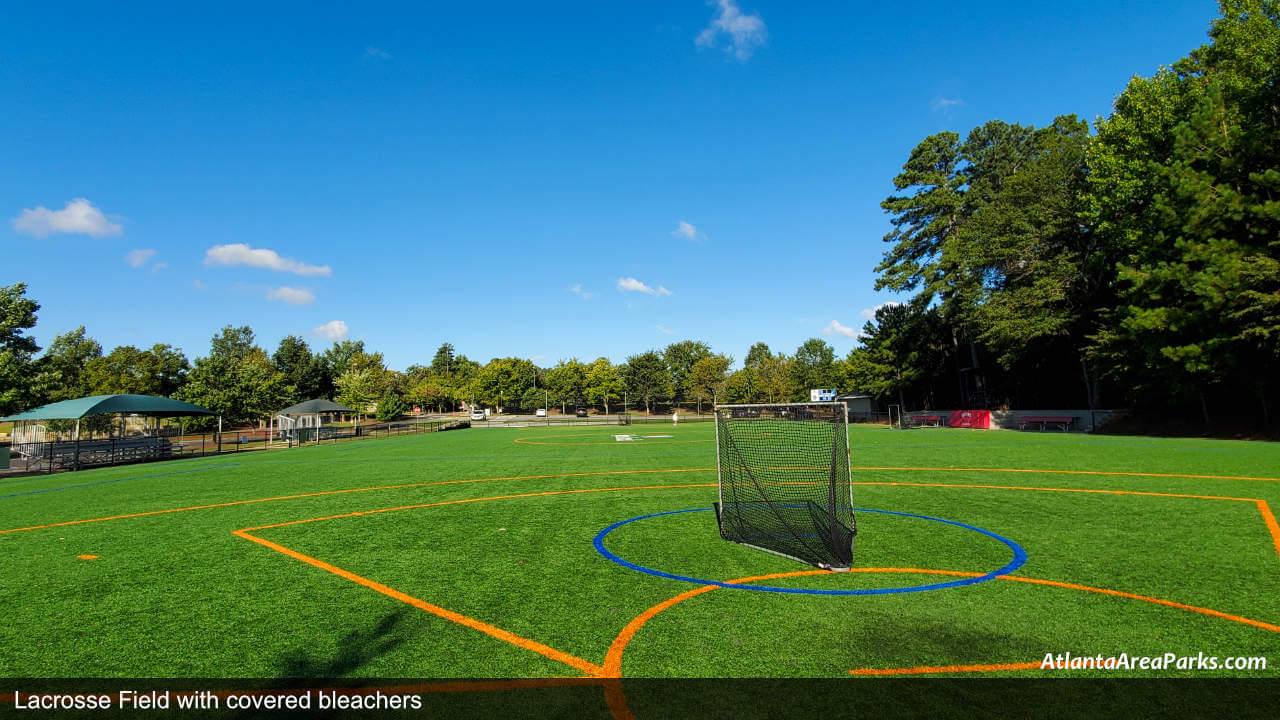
x=292, y=295
x=374, y=53
x=945, y=103
x=666, y=330
x=78, y=217
x=835, y=328
x=576, y=289
x=138, y=258
x=870, y=313
x=687, y=231
x=242, y=254
x=159, y=266
x=745, y=32
x=630, y=284
x=335, y=330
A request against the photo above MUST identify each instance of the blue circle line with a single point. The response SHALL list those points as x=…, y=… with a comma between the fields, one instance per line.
x=1019, y=558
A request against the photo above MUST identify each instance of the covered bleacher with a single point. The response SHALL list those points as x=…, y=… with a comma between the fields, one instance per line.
x=122, y=442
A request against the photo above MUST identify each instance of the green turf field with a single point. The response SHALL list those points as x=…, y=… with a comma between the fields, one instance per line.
x=470, y=554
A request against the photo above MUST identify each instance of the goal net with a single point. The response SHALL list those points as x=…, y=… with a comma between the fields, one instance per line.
x=785, y=485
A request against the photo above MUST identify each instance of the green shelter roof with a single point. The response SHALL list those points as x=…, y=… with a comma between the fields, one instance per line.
x=103, y=404
x=315, y=406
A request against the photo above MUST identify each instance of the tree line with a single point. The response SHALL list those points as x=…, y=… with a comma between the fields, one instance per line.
x=244, y=383
x=1137, y=265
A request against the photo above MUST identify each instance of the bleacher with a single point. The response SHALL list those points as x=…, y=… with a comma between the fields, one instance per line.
x=1044, y=422
x=89, y=453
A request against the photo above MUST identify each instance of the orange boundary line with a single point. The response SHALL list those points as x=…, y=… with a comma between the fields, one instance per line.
x=1145, y=598
x=613, y=659
x=1075, y=472
x=491, y=630
x=532, y=645
x=471, y=500
x=347, y=491
x=595, y=670
x=1272, y=526
x=642, y=472
x=1270, y=520
x=1053, y=489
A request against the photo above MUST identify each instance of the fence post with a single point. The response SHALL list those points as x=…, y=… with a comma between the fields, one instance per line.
x=50, y=458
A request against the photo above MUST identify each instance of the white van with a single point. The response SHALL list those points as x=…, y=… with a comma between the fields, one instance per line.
x=541, y=412
x=477, y=413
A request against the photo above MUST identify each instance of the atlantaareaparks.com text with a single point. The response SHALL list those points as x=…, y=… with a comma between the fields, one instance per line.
x=1167, y=661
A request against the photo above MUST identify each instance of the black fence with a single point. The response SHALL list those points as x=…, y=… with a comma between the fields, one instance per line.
x=58, y=455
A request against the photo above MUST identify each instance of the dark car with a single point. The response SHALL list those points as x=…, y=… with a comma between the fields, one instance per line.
x=580, y=412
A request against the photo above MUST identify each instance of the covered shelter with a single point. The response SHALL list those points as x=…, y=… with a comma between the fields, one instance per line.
x=30, y=436
x=302, y=422
x=859, y=404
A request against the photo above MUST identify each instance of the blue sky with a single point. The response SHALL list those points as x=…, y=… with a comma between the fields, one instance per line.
x=544, y=180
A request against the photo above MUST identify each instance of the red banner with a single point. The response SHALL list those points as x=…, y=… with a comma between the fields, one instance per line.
x=971, y=419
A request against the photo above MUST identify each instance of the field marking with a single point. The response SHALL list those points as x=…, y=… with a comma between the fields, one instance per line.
x=1275, y=531
x=613, y=659
x=1272, y=526
x=1074, y=472
x=492, y=630
x=1264, y=509
x=543, y=493
x=1053, y=489
x=1270, y=520
x=347, y=491
x=620, y=643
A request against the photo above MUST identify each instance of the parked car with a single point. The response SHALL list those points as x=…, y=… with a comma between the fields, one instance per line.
x=580, y=412
x=477, y=414
x=541, y=412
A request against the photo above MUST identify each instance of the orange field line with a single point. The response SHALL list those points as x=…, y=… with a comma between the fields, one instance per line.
x=1053, y=489
x=1075, y=472
x=471, y=500
x=930, y=669
x=347, y=491
x=616, y=472
x=1272, y=527
x=612, y=667
x=1145, y=598
x=491, y=630
x=613, y=659
x=1270, y=520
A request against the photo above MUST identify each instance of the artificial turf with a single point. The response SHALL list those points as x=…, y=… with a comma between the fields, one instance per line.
x=177, y=594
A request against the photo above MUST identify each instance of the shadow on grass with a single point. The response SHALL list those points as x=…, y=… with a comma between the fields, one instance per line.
x=355, y=650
